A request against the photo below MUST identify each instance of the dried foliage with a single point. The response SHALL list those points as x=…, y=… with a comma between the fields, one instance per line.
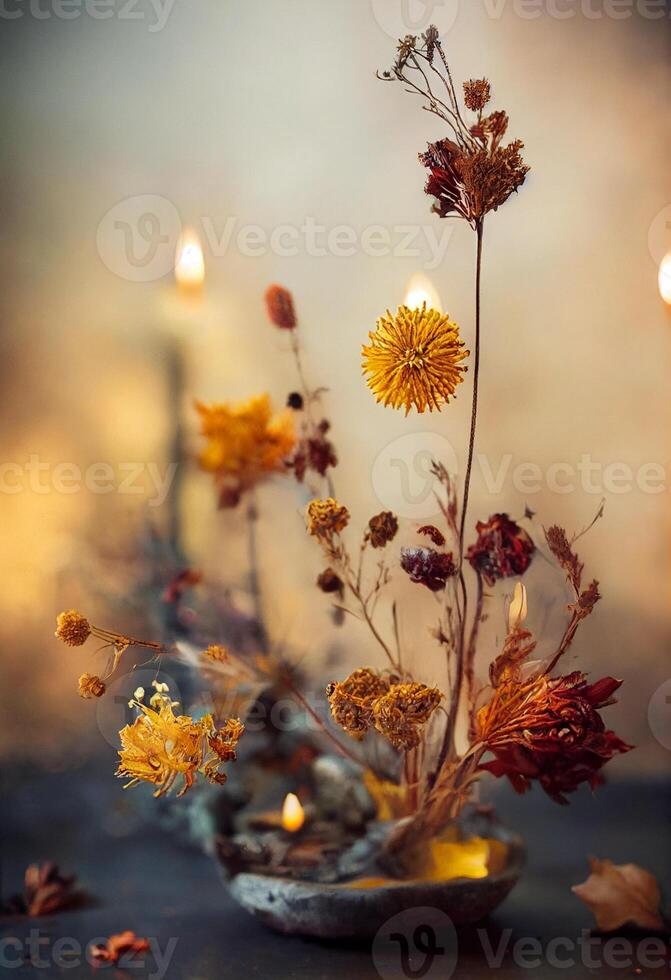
x=122, y=946
x=46, y=891
x=622, y=895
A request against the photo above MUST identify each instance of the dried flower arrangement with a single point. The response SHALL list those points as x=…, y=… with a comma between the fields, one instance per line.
x=524, y=721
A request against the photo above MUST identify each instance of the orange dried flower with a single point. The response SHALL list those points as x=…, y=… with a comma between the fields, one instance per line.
x=123, y=944
x=477, y=93
x=402, y=712
x=72, y=628
x=91, y=686
x=280, y=306
x=351, y=700
x=216, y=654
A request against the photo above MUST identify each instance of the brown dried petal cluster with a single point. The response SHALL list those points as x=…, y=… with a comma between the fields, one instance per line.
x=72, y=628
x=329, y=582
x=558, y=544
x=314, y=452
x=91, y=686
x=45, y=892
x=428, y=567
x=123, y=945
x=503, y=549
x=397, y=711
x=382, y=529
x=550, y=730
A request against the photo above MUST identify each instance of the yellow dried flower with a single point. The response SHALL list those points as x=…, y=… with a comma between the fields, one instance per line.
x=351, y=700
x=246, y=443
x=326, y=518
x=216, y=654
x=160, y=746
x=91, y=686
x=414, y=359
x=72, y=628
x=403, y=711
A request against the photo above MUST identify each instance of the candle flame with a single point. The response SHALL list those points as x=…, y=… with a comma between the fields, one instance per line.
x=293, y=814
x=665, y=279
x=518, y=610
x=421, y=290
x=189, y=262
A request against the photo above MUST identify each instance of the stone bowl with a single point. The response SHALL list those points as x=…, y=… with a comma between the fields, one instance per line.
x=338, y=911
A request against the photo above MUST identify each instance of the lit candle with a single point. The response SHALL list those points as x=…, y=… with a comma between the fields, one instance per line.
x=189, y=263
x=518, y=610
x=293, y=814
x=421, y=290
x=665, y=279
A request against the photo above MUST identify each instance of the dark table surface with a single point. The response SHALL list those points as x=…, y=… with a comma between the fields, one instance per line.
x=147, y=880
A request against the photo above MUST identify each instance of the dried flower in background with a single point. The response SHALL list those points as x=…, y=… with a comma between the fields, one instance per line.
x=124, y=945
x=401, y=713
x=45, y=892
x=549, y=729
x=280, y=306
x=382, y=529
x=431, y=532
x=477, y=93
x=622, y=895
x=428, y=567
x=503, y=549
x=326, y=518
x=330, y=582
x=160, y=746
x=414, y=359
x=216, y=654
x=72, y=628
x=91, y=686
x=295, y=401
x=181, y=583
x=245, y=444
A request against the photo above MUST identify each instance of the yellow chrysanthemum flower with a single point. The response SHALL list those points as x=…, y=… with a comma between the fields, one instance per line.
x=326, y=518
x=414, y=359
x=160, y=746
x=246, y=442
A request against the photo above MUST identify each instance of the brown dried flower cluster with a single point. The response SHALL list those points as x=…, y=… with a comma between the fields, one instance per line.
x=72, y=628
x=330, y=582
x=382, y=529
x=398, y=711
x=470, y=172
x=428, y=567
x=503, y=549
x=45, y=892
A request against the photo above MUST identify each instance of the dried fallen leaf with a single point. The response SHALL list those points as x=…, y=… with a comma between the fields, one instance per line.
x=620, y=895
x=45, y=892
x=124, y=944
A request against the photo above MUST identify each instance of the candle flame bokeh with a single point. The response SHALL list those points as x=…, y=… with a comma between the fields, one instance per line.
x=293, y=814
x=420, y=290
x=189, y=262
x=665, y=279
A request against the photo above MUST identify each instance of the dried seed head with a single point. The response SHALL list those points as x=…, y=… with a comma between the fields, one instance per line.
x=72, y=628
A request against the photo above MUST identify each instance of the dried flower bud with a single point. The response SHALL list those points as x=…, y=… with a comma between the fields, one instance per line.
x=224, y=741
x=477, y=93
x=295, y=401
x=216, y=654
x=326, y=518
x=351, y=700
x=433, y=533
x=329, y=581
x=280, y=306
x=428, y=567
x=91, y=686
x=382, y=529
x=72, y=628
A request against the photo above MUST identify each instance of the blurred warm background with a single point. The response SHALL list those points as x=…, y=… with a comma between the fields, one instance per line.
x=258, y=115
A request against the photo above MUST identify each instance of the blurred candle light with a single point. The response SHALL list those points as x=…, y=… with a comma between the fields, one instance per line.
x=293, y=814
x=517, y=613
x=420, y=290
x=189, y=263
x=665, y=279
